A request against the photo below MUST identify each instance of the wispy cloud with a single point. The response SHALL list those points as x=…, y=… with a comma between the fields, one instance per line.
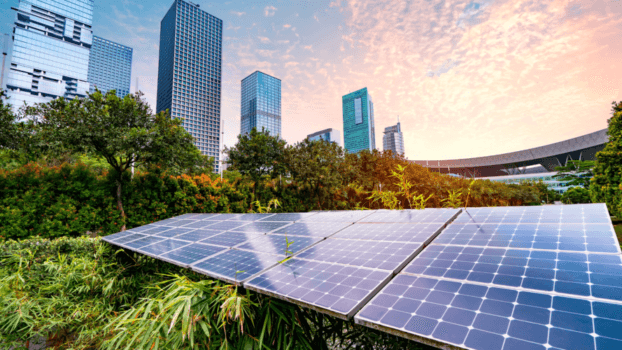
x=263, y=39
x=239, y=14
x=269, y=11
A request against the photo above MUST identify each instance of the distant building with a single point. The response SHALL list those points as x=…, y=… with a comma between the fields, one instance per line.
x=51, y=46
x=358, y=121
x=110, y=67
x=330, y=135
x=393, y=139
x=261, y=104
x=547, y=178
x=189, y=73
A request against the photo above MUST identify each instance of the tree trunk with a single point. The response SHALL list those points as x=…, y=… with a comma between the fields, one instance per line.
x=120, y=204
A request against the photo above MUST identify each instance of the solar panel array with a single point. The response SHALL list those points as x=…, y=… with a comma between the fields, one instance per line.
x=508, y=278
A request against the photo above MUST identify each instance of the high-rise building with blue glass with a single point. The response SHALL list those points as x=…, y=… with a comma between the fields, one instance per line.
x=393, y=139
x=261, y=104
x=110, y=67
x=330, y=135
x=51, y=46
x=189, y=73
x=359, y=132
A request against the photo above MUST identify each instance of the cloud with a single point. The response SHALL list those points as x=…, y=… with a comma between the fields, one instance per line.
x=287, y=26
x=263, y=39
x=308, y=47
x=239, y=14
x=269, y=11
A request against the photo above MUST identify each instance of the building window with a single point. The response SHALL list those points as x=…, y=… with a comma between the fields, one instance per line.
x=358, y=111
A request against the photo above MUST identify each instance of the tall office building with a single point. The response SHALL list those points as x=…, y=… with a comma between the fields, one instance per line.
x=359, y=132
x=393, y=139
x=51, y=45
x=189, y=73
x=330, y=135
x=261, y=103
x=110, y=67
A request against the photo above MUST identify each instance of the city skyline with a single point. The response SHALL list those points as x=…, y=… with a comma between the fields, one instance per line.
x=474, y=78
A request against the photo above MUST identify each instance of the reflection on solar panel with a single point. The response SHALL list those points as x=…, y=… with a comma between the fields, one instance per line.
x=190, y=254
x=390, y=256
x=181, y=222
x=116, y=236
x=235, y=266
x=126, y=238
x=394, y=232
x=141, y=242
x=416, y=216
x=480, y=317
x=571, y=237
x=156, y=229
x=252, y=217
x=554, y=214
x=230, y=239
x=288, y=217
x=331, y=288
x=166, y=246
x=226, y=225
x=597, y=275
x=174, y=232
x=199, y=224
x=339, y=216
x=261, y=227
x=315, y=229
x=198, y=235
x=276, y=244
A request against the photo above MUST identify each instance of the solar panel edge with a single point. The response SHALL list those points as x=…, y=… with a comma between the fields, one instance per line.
x=525, y=249
x=177, y=263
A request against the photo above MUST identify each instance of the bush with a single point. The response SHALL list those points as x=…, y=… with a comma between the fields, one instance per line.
x=576, y=195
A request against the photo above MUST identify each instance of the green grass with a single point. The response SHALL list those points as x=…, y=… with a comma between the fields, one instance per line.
x=618, y=229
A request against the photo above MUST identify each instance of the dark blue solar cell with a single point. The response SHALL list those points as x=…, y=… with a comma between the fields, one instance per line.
x=502, y=294
x=539, y=284
x=466, y=302
x=395, y=289
x=606, y=343
x=511, y=281
x=421, y=325
x=438, y=297
x=570, y=340
x=384, y=300
x=528, y=331
x=459, y=316
x=572, y=305
x=572, y=288
x=532, y=314
x=533, y=299
x=484, y=341
x=612, y=311
x=407, y=305
x=395, y=319
x=516, y=344
x=457, y=274
x=473, y=290
x=450, y=332
x=540, y=273
x=426, y=283
x=489, y=323
x=579, y=323
x=495, y=307
x=404, y=279
x=571, y=276
x=416, y=293
x=446, y=286
x=431, y=310
x=605, y=259
x=608, y=328
x=606, y=292
x=480, y=277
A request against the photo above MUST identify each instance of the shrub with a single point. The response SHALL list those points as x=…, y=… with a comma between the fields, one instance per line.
x=576, y=195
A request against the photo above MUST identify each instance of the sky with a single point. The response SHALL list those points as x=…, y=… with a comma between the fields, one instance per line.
x=466, y=78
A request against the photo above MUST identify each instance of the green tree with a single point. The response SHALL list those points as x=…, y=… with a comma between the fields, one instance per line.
x=576, y=173
x=607, y=183
x=17, y=136
x=576, y=195
x=316, y=165
x=256, y=155
x=123, y=131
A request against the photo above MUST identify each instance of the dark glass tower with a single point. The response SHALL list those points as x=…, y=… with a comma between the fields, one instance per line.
x=110, y=67
x=261, y=104
x=189, y=73
x=359, y=132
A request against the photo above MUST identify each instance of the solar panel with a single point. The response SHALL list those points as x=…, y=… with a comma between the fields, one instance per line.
x=199, y=224
x=597, y=238
x=143, y=228
x=142, y=242
x=276, y=244
x=226, y=225
x=313, y=229
x=181, y=222
x=114, y=237
x=190, y=254
x=156, y=229
x=156, y=249
x=198, y=235
x=391, y=232
x=596, y=275
x=235, y=266
x=230, y=239
x=252, y=217
x=290, y=217
x=390, y=256
x=174, y=232
x=261, y=227
x=440, y=312
x=334, y=289
x=127, y=237
x=414, y=216
x=350, y=216
x=554, y=214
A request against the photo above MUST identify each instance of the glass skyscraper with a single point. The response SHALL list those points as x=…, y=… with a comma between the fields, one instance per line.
x=110, y=67
x=393, y=139
x=261, y=103
x=359, y=132
x=51, y=45
x=330, y=135
x=189, y=73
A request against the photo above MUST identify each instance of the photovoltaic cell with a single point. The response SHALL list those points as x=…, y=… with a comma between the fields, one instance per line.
x=159, y=248
x=199, y=224
x=174, y=232
x=226, y=225
x=156, y=229
x=390, y=256
x=412, y=216
x=190, y=254
x=261, y=227
x=114, y=237
x=231, y=239
x=554, y=214
x=143, y=228
x=252, y=217
x=181, y=222
x=350, y=216
x=312, y=229
x=198, y=235
x=275, y=244
x=595, y=275
x=235, y=266
x=597, y=238
x=490, y=318
x=331, y=288
x=142, y=242
x=289, y=217
x=391, y=232
x=123, y=239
